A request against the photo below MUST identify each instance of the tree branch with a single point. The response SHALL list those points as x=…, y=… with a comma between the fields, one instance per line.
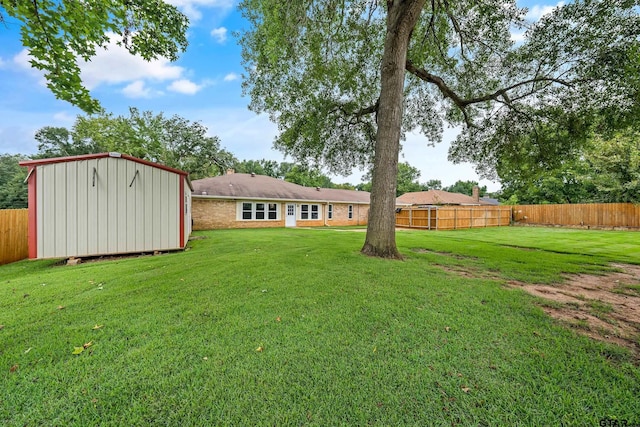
x=501, y=95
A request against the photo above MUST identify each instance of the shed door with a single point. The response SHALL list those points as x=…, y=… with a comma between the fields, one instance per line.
x=291, y=215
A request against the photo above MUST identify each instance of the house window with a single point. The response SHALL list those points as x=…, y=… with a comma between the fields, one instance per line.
x=350, y=211
x=273, y=211
x=330, y=212
x=258, y=211
x=247, y=211
x=309, y=211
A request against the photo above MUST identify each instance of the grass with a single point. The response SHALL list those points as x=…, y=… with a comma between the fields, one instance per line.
x=295, y=327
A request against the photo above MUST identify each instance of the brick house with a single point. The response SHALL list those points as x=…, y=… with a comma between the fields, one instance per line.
x=238, y=200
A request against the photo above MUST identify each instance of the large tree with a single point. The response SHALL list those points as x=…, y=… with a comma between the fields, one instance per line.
x=172, y=141
x=345, y=79
x=59, y=33
x=605, y=169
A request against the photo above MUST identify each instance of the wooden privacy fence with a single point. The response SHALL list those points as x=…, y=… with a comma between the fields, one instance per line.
x=14, y=244
x=604, y=215
x=453, y=217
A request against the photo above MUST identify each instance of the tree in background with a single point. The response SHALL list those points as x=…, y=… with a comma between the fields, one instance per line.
x=260, y=167
x=60, y=142
x=345, y=79
x=57, y=34
x=614, y=164
x=605, y=169
x=175, y=141
x=466, y=187
x=13, y=189
x=308, y=177
x=432, y=184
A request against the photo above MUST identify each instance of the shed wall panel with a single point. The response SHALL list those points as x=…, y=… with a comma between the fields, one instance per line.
x=82, y=220
x=120, y=231
x=128, y=229
x=112, y=206
x=60, y=208
x=163, y=208
x=101, y=188
x=71, y=192
x=92, y=207
x=172, y=195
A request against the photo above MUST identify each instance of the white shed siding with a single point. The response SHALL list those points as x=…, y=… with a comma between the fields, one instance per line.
x=112, y=210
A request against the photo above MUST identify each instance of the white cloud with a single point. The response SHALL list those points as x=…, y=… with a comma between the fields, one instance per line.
x=185, y=86
x=191, y=8
x=219, y=34
x=64, y=117
x=2, y=63
x=231, y=77
x=22, y=60
x=137, y=89
x=534, y=13
x=116, y=65
x=538, y=11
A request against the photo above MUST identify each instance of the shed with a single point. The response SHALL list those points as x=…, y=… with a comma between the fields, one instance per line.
x=106, y=204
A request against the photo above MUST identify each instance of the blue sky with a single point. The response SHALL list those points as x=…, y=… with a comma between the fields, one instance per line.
x=203, y=85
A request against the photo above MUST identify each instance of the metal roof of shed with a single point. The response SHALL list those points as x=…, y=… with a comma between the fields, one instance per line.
x=38, y=162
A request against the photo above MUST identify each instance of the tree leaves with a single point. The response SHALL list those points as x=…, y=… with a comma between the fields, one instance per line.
x=59, y=33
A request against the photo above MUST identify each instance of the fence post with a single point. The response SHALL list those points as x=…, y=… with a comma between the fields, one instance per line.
x=410, y=217
x=470, y=217
x=455, y=218
x=429, y=218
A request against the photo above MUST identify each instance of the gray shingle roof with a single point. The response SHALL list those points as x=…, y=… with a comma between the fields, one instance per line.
x=248, y=186
x=437, y=197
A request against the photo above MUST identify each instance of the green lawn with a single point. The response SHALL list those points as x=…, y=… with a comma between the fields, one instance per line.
x=295, y=327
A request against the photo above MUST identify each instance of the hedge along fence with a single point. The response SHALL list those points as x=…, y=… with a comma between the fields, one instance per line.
x=605, y=215
x=453, y=217
x=14, y=243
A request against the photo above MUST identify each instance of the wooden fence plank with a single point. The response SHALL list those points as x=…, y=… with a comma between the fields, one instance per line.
x=14, y=243
x=454, y=217
x=606, y=215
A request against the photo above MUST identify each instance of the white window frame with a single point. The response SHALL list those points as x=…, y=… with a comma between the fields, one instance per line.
x=311, y=210
x=330, y=212
x=350, y=211
x=264, y=209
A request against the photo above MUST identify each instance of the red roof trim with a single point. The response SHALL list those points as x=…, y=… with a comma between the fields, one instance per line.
x=32, y=214
x=39, y=162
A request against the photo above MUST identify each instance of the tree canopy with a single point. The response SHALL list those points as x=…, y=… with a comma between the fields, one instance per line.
x=344, y=80
x=13, y=189
x=606, y=169
x=172, y=141
x=59, y=33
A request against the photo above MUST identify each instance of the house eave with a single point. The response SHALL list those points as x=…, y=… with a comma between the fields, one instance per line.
x=275, y=199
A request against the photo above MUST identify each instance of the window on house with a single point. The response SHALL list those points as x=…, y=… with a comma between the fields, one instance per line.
x=350, y=211
x=273, y=211
x=258, y=211
x=247, y=211
x=310, y=212
x=330, y=212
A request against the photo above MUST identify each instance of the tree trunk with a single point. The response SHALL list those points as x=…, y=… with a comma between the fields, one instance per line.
x=402, y=16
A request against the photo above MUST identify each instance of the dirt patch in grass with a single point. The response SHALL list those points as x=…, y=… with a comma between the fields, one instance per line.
x=604, y=307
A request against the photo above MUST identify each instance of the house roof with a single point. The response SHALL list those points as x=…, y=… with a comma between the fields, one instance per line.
x=437, y=197
x=39, y=162
x=252, y=186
